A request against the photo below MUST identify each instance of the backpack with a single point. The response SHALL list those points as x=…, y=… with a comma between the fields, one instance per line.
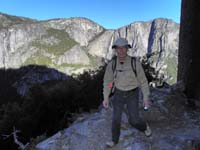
x=133, y=62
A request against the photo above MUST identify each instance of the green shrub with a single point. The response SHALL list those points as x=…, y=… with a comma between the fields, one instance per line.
x=64, y=44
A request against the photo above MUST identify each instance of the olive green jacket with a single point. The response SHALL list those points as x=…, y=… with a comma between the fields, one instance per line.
x=124, y=78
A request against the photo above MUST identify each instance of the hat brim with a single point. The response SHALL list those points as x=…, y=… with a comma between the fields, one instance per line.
x=114, y=46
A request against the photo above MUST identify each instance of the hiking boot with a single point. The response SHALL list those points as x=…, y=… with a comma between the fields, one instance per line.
x=110, y=144
x=148, y=131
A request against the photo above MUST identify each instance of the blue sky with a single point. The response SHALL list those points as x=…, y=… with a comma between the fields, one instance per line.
x=111, y=14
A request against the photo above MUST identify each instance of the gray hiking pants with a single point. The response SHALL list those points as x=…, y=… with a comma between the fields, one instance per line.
x=131, y=99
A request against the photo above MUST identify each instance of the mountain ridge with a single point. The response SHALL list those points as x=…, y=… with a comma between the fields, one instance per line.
x=40, y=42
x=45, y=20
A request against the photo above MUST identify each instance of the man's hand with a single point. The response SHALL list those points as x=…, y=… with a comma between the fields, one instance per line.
x=147, y=103
x=106, y=103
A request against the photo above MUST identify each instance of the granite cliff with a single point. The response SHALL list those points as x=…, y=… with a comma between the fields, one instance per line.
x=77, y=44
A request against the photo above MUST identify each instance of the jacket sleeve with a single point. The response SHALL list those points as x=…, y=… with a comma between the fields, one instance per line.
x=108, y=78
x=142, y=80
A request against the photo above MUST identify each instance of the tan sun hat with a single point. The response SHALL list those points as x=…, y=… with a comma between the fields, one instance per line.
x=121, y=42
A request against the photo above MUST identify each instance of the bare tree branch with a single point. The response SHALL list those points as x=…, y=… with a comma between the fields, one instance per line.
x=15, y=137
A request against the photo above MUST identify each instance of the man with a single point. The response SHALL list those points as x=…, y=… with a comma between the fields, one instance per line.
x=126, y=90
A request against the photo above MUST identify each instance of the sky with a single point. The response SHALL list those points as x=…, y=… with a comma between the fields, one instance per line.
x=111, y=14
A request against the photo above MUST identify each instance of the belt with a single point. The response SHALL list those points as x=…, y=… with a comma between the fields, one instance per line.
x=124, y=93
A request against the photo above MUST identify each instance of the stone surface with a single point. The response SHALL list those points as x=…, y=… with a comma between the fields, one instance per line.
x=172, y=128
x=76, y=55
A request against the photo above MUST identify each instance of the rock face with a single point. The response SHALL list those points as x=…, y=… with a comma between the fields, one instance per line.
x=172, y=128
x=31, y=75
x=159, y=36
x=24, y=41
x=76, y=55
x=8, y=20
x=82, y=30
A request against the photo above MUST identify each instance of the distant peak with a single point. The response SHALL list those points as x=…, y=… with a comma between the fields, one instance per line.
x=76, y=19
x=19, y=17
x=163, y=20
x=155, y=21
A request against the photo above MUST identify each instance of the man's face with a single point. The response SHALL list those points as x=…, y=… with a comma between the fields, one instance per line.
x=121, y=51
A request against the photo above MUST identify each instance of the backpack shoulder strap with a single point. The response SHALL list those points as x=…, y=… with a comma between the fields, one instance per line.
x=114, y=63
x=133, y=65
